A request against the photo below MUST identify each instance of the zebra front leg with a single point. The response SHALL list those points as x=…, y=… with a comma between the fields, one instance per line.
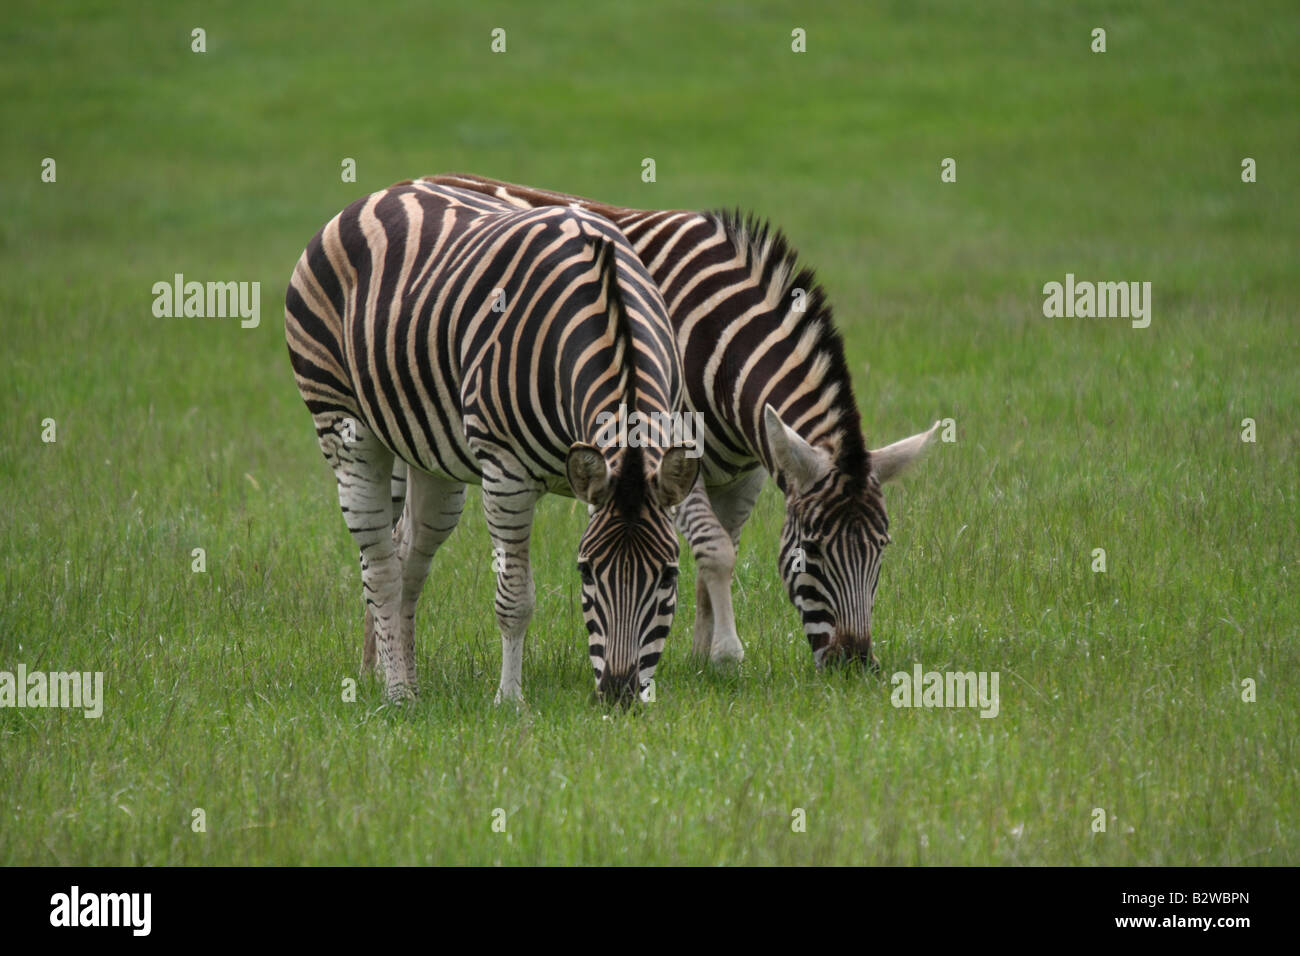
x=363, y=469
x=732, y=504
x=713, y=519
x=509, y=513
x=715, y=558
x=702, y=637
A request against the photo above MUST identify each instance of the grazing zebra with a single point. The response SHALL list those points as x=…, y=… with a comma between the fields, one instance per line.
x=765, y=365
x=430, y=326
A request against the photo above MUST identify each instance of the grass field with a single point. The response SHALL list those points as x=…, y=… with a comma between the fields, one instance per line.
x=1120, y=691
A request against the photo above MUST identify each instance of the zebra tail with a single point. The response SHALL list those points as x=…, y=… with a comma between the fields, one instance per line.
x=624, y=342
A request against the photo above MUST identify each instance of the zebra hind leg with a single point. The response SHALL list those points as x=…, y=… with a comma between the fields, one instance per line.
x=509, y=512
x=398, y=486
x=398, y=494
x=363, y=469
x=433, y=508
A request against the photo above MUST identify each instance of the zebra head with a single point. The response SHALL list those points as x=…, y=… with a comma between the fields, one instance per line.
x=627, y=559
x=834, y=536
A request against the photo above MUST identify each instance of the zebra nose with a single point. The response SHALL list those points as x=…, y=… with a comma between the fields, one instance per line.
x=622, y=688
x=852, y=648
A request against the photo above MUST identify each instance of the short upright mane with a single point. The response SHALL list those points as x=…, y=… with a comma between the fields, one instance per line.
x=775, y=263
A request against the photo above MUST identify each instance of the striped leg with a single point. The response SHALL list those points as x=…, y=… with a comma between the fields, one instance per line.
x=363, y=469
x=430, y=514
x=399, y=532
x=711, y=521
x=715, y=557
x=733, y=503
x=433, y=509
x=399, y=490
x=509, y=512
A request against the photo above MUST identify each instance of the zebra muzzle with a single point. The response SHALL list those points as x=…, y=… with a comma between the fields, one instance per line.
x=619, y=688
x=850, y=649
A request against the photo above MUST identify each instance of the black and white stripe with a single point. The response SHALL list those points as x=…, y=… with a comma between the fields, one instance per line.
x=430, y=326
x=765, y=365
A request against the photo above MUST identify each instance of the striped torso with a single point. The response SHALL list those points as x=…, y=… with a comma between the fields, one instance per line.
x=752, y=328
x=438, y=317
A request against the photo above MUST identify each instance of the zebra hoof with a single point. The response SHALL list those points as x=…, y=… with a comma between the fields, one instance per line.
x=401, y=694
x=726, y=657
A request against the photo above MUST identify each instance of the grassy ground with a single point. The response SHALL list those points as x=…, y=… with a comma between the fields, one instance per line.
x=1120, y=691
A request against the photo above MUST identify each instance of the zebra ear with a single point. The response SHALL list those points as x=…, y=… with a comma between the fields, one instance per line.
x=589, y=476
x=799, y=462
x=892, y=460
x=676, y=475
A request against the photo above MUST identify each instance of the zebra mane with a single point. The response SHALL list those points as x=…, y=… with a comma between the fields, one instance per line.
x=775, y=264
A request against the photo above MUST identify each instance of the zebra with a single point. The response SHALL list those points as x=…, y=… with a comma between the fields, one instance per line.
x=765, y=365
x=427, y=325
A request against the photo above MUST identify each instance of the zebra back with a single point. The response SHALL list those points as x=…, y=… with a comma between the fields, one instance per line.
x=753, y=326
x=421, y=304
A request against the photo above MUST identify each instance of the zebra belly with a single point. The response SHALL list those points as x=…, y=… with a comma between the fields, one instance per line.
x=419, y=437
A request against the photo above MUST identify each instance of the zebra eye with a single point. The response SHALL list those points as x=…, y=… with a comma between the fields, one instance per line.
x=588, y=578
x=669, y=578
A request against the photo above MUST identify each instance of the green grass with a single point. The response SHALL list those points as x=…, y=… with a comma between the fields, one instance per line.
x=1119, y=690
